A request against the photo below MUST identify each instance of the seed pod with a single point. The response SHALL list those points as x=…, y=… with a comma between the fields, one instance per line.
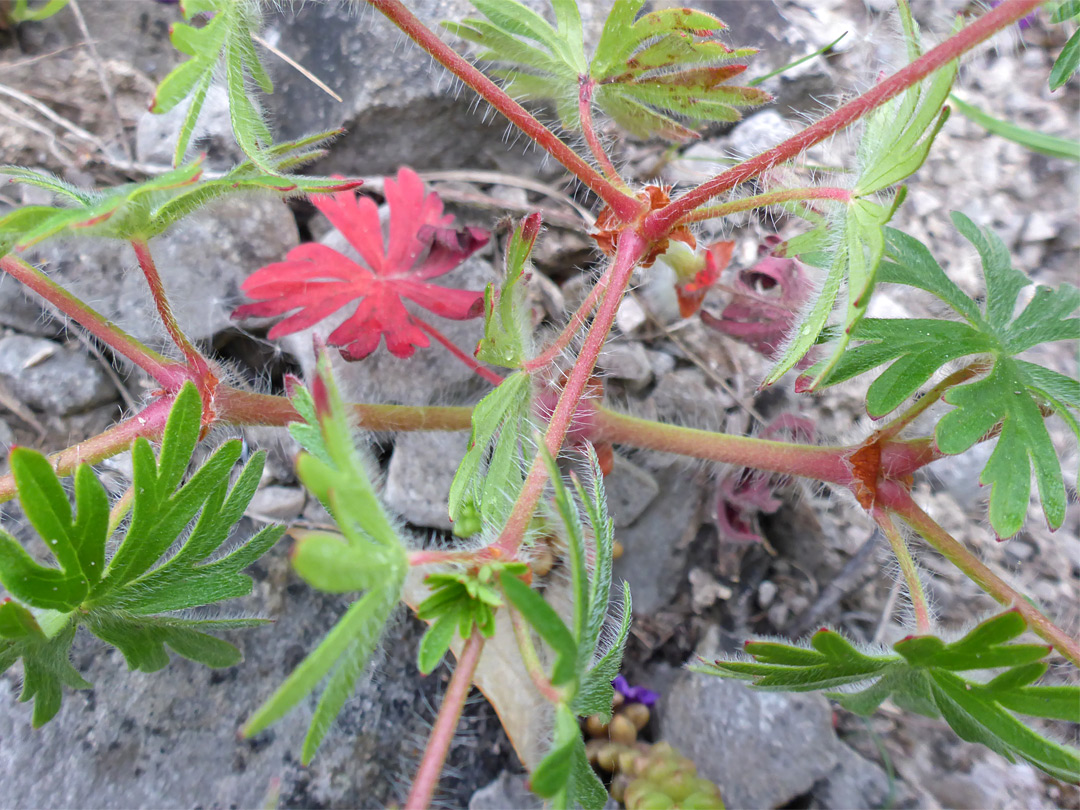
x=596, y=726
x=627, y=758
x=664, y=749
x=608, y=756
x=638, y=714
x=616, y=550
x=617, y=701
x=593, y=748
x=653, y=801
x=703, y=801
x=621, y=730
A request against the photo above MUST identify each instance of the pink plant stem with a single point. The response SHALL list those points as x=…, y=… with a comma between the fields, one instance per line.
x=835, y=194
x=585, y=94
x=577, y=320
x=898, y=500
x=659, y=223
x=629, y=251
x=919, y=602
x=523, y=636
x=204, y=378
x=625, y=206
x=434, y=557
x=427, y=776
x=150, y=422
x=168, y=373
x=471, y=362
x=236, y=407
x=827, y=464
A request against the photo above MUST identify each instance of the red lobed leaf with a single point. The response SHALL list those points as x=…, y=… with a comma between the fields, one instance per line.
x=315, y=281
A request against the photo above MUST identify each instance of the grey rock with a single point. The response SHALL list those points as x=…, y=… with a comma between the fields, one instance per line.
x=48, y=377
x=660, y=362
x=169, y=739
x=277, y=503
x=683, y=397
x=156, y=135
x=7, y=438
x=21, y=311
x=421, y=470
x=857, y=782
x=758, y=133
x=509, y=792
x=202, y=263
x=626, y=362
x=654, y=560
x=761, y=748
x=430, y=376
x=630, y=490
x=400, y=106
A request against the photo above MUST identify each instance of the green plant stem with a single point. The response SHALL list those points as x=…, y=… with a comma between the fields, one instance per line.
x=898, y=500
x=628, y=253
x=625, y=206
x=577, y=320
x=166, y=372
x=449, y=345
x=908, y=568
x=929, y=398
x=205, y=379
x=661, y=222
x=529, y=657
x=836, y=194
x=585, y=94
x=427, y=775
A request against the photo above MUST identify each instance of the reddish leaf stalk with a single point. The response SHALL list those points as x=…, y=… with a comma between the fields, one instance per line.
x=471, y=362
x=833, y=193
x=908, y=568
x=150, y=422
x=427, y=775
x=577, y=320
x=585, y=95
x=898, y=500
x=204, y=377
x=166, y=372
x=659, y=223
x=808, y=461
x=626, y=206
x=631, y=248
x=523, y=636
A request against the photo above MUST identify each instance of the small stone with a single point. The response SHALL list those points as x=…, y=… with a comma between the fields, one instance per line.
x=660, y=362
x=276, y=503
x=50, y=378
x=629, y=316
x=758, y=133
x=630, y=490
x=706, y=590
x=422, y=468
x=156, y=134
x=1040, y=227
x=766, y=592
x=626, y=362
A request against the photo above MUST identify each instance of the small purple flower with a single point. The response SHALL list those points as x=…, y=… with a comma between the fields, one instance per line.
x=634, y=694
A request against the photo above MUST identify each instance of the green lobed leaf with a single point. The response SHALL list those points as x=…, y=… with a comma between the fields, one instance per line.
x=547, y=624
x=1067, y=63
x=922, y=679
x=1049, y=145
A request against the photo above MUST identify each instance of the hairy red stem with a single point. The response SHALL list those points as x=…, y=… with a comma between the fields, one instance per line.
x=624, y=205
x=167, y=373
x=585, y=94
x=427, y=775
x=908, y=568
x=898, y=500
x=628, y=253
x=661, y=222
x=449, y=345
x=577, y=320
x=205, y=379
